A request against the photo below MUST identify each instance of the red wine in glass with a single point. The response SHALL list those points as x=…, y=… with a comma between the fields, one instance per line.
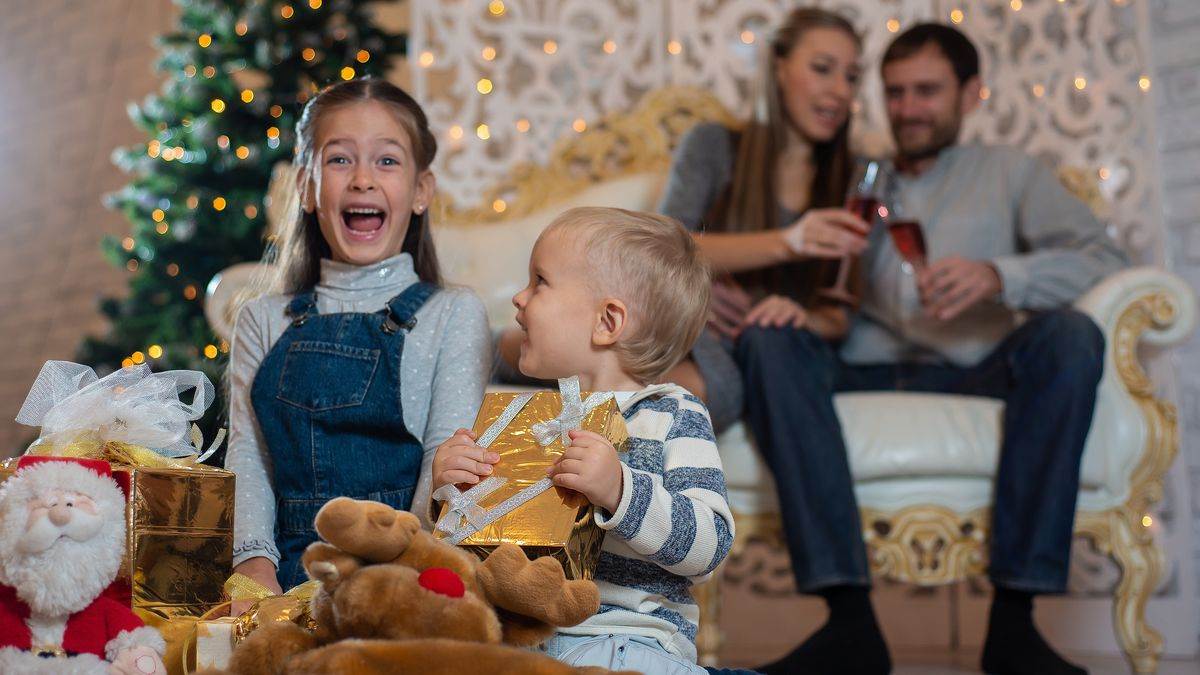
x=909, y=240
x=869, y=184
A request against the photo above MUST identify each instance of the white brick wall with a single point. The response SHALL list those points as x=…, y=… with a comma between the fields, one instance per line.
x=1175, y=43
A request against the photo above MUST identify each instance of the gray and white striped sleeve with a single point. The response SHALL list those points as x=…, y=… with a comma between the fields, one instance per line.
x=680, y=519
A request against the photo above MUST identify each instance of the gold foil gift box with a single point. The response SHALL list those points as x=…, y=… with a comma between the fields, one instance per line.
x=518, y=504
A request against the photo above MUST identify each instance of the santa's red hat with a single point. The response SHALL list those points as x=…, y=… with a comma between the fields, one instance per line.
x=102, y=469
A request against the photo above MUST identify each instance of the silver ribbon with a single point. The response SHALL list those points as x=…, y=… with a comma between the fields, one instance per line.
x=465, y=516
x=572, y=414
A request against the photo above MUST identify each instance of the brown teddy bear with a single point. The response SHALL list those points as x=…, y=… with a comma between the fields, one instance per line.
x=393, y=598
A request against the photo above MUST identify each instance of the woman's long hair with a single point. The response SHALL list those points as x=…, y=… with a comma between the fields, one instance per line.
x=295, y=256
x=751, y=204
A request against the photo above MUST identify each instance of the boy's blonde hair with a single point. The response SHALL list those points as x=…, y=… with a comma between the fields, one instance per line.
x=652, y=264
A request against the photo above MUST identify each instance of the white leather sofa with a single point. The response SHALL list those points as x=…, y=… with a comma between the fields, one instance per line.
x=923, y=464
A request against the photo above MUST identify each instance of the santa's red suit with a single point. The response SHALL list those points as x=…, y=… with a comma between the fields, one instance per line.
x=88, y=631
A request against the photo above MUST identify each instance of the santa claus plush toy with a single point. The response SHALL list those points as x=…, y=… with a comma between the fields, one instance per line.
x=62, y=538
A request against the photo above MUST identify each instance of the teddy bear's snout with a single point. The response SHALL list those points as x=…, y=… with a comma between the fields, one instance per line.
x=442, y=581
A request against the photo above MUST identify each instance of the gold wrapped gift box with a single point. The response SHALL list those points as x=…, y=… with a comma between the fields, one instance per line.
x=557, y=522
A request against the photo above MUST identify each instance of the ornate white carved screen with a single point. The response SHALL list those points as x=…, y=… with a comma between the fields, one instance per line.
x=503, y=80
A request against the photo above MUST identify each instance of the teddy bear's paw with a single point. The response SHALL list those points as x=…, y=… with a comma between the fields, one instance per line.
x=328, y=564
x=268, y=649
x=372, y=531
x=537, y=589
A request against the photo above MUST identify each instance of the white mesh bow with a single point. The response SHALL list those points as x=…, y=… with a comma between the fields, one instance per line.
x=132, y=405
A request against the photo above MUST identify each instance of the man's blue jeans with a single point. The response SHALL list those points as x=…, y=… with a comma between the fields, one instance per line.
x=1046, y=372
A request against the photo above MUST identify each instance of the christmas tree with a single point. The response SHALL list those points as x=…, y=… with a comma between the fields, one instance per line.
x=239, y=73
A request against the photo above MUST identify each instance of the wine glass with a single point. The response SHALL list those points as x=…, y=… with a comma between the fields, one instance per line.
x=907, y=236
x=868, y=185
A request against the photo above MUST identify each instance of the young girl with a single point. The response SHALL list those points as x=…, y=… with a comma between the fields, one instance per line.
x=347, y=374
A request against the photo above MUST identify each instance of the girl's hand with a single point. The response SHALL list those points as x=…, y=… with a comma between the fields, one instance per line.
x=590, y=466
x=261, y=570
x=776, y=311
x=827, y=234
x=459, y=460
x=727, y=307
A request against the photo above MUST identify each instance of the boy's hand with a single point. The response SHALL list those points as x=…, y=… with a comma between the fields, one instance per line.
x=459, y=460
x=590, y=466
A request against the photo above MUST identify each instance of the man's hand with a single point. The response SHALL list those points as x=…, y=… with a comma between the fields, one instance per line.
x=459, y=460
x=953, y=285
x=590, y=466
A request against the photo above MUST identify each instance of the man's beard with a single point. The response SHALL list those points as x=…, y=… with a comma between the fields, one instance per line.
x=942, y=135
x=66, y=577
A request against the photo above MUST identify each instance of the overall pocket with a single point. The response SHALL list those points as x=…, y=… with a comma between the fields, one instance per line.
x=326, y=375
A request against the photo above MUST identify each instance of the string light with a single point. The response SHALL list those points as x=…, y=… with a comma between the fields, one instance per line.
x=223, y=142
x=276, y=111
x=162, y=228
x=193, y=201
x=748, y=37
x=172, y=270
x=550, y=46
x=1147, y=521
x=315, y=4
x=218, y=204
x=218, y=105
x=189, y=70
x=158, y=215
x=247, y=96
x=132, y=265
x=496, y=7
x=272, y=132
x=127, y=362
x=204, y=40
x=425, y=59
x=488, y=53
x=210, y=72
x=127, y=243
x=251, y=211
x=956, y=15
x=189, y=292
x=347, y=73
x=210, y=351
x=499, y=206
x=1080, y=82
x=456, y=132
x=286, y=11
x=522, y=125
x=893, y=25
x=224, y=346
x=242, y=152
x=155, y=351
x=137, y=357
x=483, y=132
x=362, y=56
x=308, y=54
x=1144, y=83
x=609, y=47
x=153, y=147
x=1016, y=5
x=985, y=93
x=1039, y=90
x=579, y=125
x=674, y=47
x=484, y=86
x=241, y=28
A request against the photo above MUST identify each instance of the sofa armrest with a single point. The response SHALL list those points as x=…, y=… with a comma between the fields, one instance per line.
x=1167, y=303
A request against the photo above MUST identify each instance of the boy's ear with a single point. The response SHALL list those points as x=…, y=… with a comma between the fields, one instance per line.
x=614, y=319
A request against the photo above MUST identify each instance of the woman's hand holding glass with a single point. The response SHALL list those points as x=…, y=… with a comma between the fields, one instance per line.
x=827, y=234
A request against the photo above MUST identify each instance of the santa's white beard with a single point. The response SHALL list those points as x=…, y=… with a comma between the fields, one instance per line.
x=67, y=576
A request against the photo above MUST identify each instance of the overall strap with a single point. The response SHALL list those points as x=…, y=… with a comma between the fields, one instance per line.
x=401, y=310
x=302, y=306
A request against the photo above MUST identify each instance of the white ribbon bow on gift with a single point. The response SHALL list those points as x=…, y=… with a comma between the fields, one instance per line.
x=131, y=405
x=465, y=516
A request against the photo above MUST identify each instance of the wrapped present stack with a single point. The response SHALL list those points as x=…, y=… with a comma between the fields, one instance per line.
x=519, y=504
x=180, y=511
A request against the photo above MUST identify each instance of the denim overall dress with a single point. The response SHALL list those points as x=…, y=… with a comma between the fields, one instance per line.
x=327, y=397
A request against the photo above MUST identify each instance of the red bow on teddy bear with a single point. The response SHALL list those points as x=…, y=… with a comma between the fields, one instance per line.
x=62, y=539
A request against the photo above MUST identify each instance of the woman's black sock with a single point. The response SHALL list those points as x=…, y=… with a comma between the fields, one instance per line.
x=849, y=642
x=1014, y=646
